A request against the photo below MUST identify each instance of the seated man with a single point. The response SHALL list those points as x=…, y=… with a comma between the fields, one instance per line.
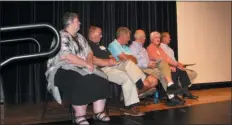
x=155, y=52
x=165, y=40
x=115, y=72
x=150, y=67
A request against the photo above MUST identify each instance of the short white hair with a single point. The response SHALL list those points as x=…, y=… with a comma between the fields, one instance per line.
x=153, y=34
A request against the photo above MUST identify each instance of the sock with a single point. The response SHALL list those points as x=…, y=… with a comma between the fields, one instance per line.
x=170, y=96
x=170, y=83
x=139, y=84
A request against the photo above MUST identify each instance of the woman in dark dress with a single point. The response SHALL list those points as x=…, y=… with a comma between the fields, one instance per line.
x=74, y=73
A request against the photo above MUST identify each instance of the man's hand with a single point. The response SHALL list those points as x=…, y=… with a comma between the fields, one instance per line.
x=180, y=64
x=132, y=58
x=173, y=69
x=151, y=64
x=181, y=67
x=112, y=62
x=125, y=57
x=111, y=57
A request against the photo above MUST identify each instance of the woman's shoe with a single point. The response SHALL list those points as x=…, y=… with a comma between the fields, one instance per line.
x=81, y=120
x=102, y=117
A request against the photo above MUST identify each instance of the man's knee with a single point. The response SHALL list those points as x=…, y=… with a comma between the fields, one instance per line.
x=162, y=64
x=124, y=78
x=153, y=81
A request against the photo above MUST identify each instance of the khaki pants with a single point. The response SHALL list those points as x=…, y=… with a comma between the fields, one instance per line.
x=126, y=74
x=163, y=69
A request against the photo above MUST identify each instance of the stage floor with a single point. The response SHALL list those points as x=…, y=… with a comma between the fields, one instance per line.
x=211, y=113
x=213, y=107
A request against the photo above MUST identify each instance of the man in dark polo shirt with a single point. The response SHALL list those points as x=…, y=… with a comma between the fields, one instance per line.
x=127, y=74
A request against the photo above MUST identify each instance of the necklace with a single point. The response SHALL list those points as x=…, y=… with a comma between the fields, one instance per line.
x=157, y=51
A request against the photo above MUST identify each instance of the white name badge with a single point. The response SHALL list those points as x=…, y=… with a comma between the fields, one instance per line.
x=102, y=48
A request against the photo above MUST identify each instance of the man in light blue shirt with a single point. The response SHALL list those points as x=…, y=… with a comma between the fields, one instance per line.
x=117, y=49
x=121, y=52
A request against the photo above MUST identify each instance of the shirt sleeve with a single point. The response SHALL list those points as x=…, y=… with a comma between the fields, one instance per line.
x=142, y=63
x=85, y=44
x=134, y=49
x=169, y=52
x=89, y=50
x=114, y=50
x=164, y=55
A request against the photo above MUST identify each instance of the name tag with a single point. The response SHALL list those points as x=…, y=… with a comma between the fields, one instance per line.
x=102, y=47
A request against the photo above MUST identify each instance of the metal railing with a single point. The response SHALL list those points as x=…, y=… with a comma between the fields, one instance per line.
x=39, y=54
x=35, y=55
x=23, y=39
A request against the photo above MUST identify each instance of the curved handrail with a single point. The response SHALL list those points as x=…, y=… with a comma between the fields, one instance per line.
x=23, y=39
x=53, y=50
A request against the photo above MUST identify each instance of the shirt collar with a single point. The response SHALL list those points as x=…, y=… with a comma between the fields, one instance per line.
x=94, y=42
x=116, y=41
x=138, y=43
x=162, y=44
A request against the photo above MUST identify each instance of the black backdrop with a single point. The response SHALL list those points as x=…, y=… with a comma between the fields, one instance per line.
x=25, y=81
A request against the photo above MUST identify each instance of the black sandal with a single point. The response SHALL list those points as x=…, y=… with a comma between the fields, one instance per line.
x=81, y=121
x=102, y=116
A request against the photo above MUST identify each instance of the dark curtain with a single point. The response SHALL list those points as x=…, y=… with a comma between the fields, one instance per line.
x=24, y=81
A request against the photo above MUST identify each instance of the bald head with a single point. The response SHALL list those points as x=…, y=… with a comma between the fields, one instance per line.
x=95, y=34
x=140, y=36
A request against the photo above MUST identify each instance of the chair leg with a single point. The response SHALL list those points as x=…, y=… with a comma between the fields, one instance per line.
x=107, y=109
x=45, y=106
x=1, y=91
x=71, y=114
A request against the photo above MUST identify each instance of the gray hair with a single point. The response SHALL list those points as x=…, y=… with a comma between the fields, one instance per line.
x=68, y=18
x=154, y=33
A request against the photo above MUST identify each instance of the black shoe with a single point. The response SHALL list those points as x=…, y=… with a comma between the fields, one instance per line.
x=175, y=101
x=189, y=96
x=174, y=89
x=180, y=99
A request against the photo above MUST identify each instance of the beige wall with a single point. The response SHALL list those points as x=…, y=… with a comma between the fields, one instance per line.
x=204, y=38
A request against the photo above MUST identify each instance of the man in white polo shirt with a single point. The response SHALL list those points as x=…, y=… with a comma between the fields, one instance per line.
x=165, y=40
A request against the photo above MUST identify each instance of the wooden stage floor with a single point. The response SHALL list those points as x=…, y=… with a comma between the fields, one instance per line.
x=211, y=101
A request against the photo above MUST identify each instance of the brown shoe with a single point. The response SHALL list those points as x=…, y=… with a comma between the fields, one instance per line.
x=133, y=111
x=143, y=93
